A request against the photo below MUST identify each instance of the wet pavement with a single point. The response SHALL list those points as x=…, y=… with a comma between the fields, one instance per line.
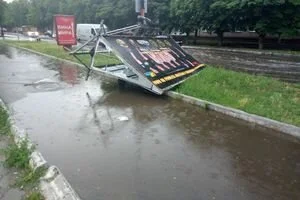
x=128, y=144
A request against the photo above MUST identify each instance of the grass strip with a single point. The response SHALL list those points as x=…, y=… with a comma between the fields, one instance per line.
x=57, y=51
x=258, y=95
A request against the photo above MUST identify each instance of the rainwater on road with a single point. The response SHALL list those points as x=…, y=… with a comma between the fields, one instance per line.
x=128, y=144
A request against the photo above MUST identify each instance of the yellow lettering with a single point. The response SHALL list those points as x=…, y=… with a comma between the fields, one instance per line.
x=156, y=82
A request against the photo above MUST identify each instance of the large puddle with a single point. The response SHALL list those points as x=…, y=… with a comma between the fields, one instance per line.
x=128, y=144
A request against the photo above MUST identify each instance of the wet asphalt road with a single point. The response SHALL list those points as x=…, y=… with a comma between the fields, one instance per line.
x=165, y=150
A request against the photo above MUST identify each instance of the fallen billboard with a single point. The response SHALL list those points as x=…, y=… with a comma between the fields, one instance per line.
x=161, y=60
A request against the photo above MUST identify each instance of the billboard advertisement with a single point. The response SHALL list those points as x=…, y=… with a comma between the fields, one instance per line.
x=161, y=60
x=65, y=28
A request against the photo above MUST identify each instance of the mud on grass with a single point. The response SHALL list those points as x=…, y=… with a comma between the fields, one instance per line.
x=258, y=95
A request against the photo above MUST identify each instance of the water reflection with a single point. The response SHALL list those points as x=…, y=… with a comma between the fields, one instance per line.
x=261, y=165
x=69, y=74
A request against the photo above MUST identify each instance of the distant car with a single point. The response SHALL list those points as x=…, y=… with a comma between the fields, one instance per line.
x=87, y=31
x=4, y=29
x=48, y=33
x=32, y=33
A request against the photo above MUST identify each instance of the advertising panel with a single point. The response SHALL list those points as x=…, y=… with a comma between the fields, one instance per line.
x=65, y=27
x=161, y=60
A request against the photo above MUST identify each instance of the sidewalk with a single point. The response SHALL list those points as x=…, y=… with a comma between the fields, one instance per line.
x=7, y=178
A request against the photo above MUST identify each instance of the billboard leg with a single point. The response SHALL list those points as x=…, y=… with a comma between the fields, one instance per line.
x=121, y=84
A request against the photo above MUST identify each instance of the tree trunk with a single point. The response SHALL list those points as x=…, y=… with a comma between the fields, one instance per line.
x=170, y=29
x=279, y=39
x=186, y=38
x=261, y=41
x=2, y=32
x=220, y=38
x=196, y=33
x=195, y=36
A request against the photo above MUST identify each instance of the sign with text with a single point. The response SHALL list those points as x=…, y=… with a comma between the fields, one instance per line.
x=161, y=60
x=65, y=29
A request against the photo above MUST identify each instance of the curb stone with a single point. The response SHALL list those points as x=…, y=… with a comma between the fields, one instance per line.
x=63, y=60
x=54, y=186
x=269, y=53
x=262, y=121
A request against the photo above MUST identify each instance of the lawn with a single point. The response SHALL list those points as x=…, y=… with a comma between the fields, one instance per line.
x=259, y=95
x=58, y=51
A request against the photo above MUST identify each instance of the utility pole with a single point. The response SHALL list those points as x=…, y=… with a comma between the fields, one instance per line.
x=141, y=7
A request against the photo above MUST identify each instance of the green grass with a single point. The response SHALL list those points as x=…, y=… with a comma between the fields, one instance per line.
x=17, y=157
x=259, y=95
x=4, y=122
x=35, y=196
x=58, y=51
x=29, y=178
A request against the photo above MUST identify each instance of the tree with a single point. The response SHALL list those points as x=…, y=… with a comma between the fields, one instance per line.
x=185, y=14
x=16, y=12
x=279, y=17
x=219, y=16
x=215, y=16
x=2, y=9
x=159, y=13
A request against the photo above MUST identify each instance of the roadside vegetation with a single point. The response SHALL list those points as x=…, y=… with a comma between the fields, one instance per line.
x=4, y=123
x=279, y=18
x=258, y=95
x=59, y=52
x=17, y=157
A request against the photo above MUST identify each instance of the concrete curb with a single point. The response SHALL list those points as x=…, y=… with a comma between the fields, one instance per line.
x=54, y=186
x=46, y=55
x=262, y=121
x=244, y=51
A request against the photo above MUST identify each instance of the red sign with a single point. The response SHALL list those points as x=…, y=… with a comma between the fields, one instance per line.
x=65, y=29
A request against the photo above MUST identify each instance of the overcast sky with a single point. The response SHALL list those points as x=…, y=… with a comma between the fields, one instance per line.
x=8, y=0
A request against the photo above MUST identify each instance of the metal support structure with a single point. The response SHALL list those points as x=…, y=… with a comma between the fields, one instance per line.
x=137, y=74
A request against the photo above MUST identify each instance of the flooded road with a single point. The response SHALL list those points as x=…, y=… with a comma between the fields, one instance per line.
x=128, y=144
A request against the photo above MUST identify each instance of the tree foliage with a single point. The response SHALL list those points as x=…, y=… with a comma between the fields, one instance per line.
x=2, y=8
x=276, y=17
